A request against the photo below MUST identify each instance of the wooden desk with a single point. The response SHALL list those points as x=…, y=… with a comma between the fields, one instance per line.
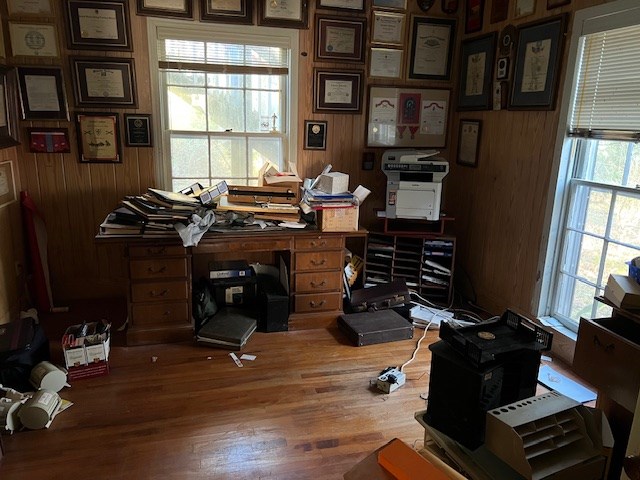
x=161, y=272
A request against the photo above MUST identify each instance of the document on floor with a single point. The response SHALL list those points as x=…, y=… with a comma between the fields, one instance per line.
x=553, y=380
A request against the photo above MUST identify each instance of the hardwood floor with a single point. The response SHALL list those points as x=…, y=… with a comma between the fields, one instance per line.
x=304, y=409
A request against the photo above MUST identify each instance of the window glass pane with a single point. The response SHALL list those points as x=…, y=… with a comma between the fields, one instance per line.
x=582, y=255
x=187, y=108
x=589, y=210
x=190, y=79
x=603, y=310
x=634, y=170
x=189, y=157
x=261, y=106
x=228, y=158
x=625, y=225
x=225, y=80
x=225, y=110
x=262, y=150
x=617, y=255
x=577, y=298
x=180, y=183
x=264, y=82
x=611, y=157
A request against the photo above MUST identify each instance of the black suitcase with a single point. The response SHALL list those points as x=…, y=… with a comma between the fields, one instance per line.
x=368, y=328
x=380, y=297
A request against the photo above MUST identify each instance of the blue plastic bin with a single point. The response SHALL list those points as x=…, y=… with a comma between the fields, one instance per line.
x=634, y=271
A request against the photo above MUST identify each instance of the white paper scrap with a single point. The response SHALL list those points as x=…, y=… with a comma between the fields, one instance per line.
x=236, y=359
x=361, y=193
x=246, y=356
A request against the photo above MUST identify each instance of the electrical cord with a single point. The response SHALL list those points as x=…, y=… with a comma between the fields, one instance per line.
x=424, y=334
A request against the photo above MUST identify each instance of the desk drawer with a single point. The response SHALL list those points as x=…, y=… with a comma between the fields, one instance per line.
x=319, y=242
x=324, y=260
x=160, y=314
x=159, y=291
x=238, y=245
x=318, y=302
x=607, y=355
x=318, y=282
x=157, y=251
x=158, y=268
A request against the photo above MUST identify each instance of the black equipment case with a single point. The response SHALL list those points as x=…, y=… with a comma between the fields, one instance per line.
x=380, y=297
x=368, y=328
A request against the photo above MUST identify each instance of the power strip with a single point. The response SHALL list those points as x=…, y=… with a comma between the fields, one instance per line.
x=390, y=379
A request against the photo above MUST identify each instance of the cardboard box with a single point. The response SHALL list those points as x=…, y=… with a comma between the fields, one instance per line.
x=333, y=182
x=344, y=219
x=623, y=291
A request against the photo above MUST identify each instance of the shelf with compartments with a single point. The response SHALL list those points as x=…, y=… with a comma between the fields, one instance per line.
x=425, y=262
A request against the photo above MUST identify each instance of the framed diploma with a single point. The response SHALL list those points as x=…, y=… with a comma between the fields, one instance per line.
x=337, y=91
x=395, y=4
x=8, y=107
x=137, y=130
x=315, y=135
x=42, y=93
x=385, y=63
x=229, y=11
x=165, y=8
x=476, y=72
x=29, y=7
x=7, y=184
x=104, y=82
x=353, y=5
x=98, y=25
x=388, y=28
x=98, y=137
x=340, y=39
x=468, y=143
x=33, y=39
x=48, y=140
x=283, y=13
x=431, y=48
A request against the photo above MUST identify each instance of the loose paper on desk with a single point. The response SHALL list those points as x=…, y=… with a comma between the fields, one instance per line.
x=361, y=193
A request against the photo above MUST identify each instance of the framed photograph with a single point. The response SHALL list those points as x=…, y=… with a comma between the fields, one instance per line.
x=336, y=91
x=48, y=140
x=388, y=28
x=557, y=3
x=9, y=134
x=431, y=48
x=394, y=4
x=352, y=5
x=385, y=63
x=98, y=137
x=449, y=6
x=29, y=7
x=340, y=39
x=33, y=40
x=499, y=11
x=468, y=143
x=289, y=14
x=524, y=8
x=537, y=64
x=165, y=8
x=104, y=82
x=42, y=94
x=315, y=135
x=474, y=15
x=476, y=72
x=7, y=184
x=137, y=130
x=236, y=11
x=98, y=25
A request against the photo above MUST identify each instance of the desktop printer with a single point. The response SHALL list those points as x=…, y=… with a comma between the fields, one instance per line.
x=414, y=183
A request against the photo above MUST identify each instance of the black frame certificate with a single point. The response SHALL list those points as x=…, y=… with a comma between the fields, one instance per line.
x=315, y=135
x=98, y=24
x=138, y=130
x=99, y=137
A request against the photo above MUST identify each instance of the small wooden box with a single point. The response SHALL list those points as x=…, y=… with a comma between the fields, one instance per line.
x=344, y=219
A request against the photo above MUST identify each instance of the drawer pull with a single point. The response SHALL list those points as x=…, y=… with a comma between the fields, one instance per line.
x=313, y=304
x=322, y=243
x=163, y=293
x=318, y=284
x=155, y=271
x=156, y=251
x=317, y=263
x=598, y=343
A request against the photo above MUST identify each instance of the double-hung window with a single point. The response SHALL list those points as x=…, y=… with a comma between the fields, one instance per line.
x=225, y=97
x=599, y=197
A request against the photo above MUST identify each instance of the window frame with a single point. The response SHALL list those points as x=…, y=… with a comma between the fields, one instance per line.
x=224, y=33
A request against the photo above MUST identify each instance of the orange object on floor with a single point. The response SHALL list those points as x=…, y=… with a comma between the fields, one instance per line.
x=404, y=463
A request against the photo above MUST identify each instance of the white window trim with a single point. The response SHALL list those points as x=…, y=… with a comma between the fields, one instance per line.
x=202, y=31
x=617, y=14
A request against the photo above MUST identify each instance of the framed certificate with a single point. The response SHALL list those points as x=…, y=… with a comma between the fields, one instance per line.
x=229, y=11
x=98, y=25
x=29, y=7
x=385, y=63
x=165, y=8
x=315, y=135
x=7, y=184
x=337, y=91
x=476, y=72
x=468, y=143
x=98, y=137
x=42, y=93
x=137, y=130
x=33, y=39
x=284, y=13
x=431, y=48
x=353, y=5
x=388, y=28
x=9, y=135
x=104, y=82
x=340, y=39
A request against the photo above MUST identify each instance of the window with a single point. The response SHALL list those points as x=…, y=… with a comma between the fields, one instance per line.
x=224, y=101
x=597, y=206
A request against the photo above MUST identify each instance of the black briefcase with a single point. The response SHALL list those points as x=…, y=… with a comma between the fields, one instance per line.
x=368, y=328
x=380, y=297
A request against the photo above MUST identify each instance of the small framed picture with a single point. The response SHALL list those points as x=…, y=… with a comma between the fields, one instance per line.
x=388, y=28
x=7, y=184
x=351, y=5
x=315, y=136
x=336, y=91
x=289, y=14
x=33, y=40
x=393, y=4
x=42, y=93
x=9, y=133
x=474, y=15
x=98, y=25
x=165, y=8
x=476, y=72
x=468, y=143
x=98, y=137
x=137, y=130
x=524, y=8
x=432, y=41
x=385, y=63
x=48, y=140
x=239, y=11
x=340, y=39
x=104, y=82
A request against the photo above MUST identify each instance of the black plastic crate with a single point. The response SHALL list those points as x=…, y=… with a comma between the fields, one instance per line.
x=492, y=340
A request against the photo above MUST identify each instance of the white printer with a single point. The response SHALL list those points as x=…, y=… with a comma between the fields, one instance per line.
x=414, y=183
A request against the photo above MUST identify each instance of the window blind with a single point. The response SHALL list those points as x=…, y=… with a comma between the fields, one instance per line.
x=607, y=99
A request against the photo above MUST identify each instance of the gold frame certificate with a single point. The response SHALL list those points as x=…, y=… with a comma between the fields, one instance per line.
x=29, y=7
x=98, y=138
x=33, y=39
